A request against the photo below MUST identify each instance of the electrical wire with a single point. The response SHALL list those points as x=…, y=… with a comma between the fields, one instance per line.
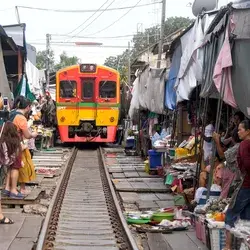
x=99, y=31
x=94, y=19
x=65, y=44
x=85, y=11
x=104, y=37
x=86, y=19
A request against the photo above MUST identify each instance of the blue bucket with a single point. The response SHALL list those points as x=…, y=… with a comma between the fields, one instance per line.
x=154, y=159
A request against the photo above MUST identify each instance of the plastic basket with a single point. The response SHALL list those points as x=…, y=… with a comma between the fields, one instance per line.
x=217, y=238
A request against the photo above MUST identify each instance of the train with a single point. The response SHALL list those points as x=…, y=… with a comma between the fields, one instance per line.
x=87, y=103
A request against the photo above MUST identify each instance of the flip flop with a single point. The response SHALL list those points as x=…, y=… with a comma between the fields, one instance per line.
x=6, y=221
x=5, y=192
x=17, y=196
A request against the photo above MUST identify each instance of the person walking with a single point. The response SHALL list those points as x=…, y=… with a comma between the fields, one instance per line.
x=22, y=107
x=10, y=149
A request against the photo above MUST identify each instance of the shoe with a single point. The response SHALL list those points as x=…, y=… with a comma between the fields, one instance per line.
x=5, y=192
x=17, y=196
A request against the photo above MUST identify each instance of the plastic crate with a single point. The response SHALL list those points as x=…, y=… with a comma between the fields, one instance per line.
x=217, y=238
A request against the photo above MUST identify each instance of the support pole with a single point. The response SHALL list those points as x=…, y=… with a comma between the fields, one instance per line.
x=47, y=60
x=129, y=70
x=163, y=15
x=17, y=15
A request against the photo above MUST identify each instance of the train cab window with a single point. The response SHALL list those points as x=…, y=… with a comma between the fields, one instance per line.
x=88, y=89
x=107, y=89
x=68, y=89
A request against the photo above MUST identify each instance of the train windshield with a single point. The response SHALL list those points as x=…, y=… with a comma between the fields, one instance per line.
x=88, y=89
x=68, y=89
x=107, y=89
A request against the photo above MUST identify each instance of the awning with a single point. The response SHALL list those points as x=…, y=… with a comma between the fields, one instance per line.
x=17, y=33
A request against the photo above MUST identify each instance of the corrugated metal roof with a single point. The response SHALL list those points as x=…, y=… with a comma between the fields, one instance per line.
x=7, y=42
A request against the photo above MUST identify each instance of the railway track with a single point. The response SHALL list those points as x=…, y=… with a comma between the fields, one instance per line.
x=84, y=212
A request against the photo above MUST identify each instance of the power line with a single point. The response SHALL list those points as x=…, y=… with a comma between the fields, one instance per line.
x=87, y=19
x=95, y=18
x=83, y=46
x=99, y=31
x=6, y=9
x=103, y=37
x=85, y=11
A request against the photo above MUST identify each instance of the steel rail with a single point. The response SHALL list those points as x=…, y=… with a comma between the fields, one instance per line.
x=117, y=205
x=44, y=230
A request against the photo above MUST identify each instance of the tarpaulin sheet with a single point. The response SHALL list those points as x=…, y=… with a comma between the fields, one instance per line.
x=241, y=75
x=151, y=89
x=4, y=86
x=191, y=62
x=170, y=95
x=134, y=104
x=222, y=71
x=213, y=43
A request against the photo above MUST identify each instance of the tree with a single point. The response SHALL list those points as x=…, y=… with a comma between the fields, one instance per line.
x=65, y=60
x=141, y=41
x=119, y=63
x=41, y=58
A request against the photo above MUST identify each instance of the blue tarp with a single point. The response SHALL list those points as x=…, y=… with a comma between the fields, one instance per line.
x=170, y=95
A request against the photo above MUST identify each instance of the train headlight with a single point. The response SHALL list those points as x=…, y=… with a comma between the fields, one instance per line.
x=112, y=119
x=62, y=119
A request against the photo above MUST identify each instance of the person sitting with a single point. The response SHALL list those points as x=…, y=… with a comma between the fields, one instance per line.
x=10, y=149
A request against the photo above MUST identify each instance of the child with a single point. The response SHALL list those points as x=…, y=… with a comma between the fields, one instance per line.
x=10, y=149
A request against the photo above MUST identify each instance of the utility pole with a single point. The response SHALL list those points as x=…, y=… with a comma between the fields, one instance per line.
x=148, y=47
x=47, y=60
x=129, y=72
x=163, y=14
x=17, y=15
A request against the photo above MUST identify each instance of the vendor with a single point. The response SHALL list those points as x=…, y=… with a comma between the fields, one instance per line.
x=207, y=150
x=240, y=206
x=228, y=173
x=234, y=124
x=208, y=136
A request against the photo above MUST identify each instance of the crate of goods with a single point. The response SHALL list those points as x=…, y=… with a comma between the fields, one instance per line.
x=217, y=234
x=154, y=159
x=214, y=195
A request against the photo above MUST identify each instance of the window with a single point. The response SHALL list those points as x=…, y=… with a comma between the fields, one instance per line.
x=68, y=89
x=107, y=89
x=88, y=88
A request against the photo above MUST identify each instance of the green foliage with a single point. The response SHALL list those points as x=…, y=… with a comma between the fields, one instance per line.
x=41, y=59
x=141, y=41
x=65, y=60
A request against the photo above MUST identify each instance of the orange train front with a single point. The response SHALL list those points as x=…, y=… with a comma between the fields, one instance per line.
x=88, y=103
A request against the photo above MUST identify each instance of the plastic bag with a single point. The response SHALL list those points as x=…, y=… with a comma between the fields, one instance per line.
x=155, y=138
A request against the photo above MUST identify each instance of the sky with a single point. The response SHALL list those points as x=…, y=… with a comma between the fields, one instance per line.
x=40, y=23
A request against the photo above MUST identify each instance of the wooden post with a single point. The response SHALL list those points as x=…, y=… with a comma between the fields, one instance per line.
x=20, y=65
